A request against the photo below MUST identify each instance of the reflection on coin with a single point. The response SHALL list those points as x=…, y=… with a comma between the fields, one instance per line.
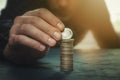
x=67, y=33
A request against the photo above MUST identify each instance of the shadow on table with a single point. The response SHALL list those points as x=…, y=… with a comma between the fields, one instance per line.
x=43, y=71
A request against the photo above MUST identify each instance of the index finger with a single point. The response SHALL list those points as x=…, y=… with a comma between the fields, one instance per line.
x=48, y=17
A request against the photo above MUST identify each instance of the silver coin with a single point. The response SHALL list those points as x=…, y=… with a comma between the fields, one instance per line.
x=67, y=33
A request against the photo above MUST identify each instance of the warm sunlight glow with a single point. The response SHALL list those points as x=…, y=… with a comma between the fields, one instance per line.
x=114, y=9
x=88, y=43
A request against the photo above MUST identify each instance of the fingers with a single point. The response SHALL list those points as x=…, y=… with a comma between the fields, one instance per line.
x=36, y=34
x=24, y=40
x=48, y=17
x=36, y=29
x=41, y=25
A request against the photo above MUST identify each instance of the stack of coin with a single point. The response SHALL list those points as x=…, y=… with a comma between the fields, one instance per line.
x=67, y=55
x=66, y=51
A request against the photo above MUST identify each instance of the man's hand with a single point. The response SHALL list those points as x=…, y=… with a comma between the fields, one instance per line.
x=35, y=29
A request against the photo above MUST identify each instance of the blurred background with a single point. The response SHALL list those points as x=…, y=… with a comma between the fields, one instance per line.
x=2, y=4
x=114, y=10
x=89, y=42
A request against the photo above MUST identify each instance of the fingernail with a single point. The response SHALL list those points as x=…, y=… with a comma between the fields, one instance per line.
x=56, y=35
x=51, y=42
x=60, y=26
x=42, y=48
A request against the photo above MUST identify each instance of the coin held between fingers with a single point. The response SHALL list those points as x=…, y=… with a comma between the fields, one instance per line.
x=67, y=33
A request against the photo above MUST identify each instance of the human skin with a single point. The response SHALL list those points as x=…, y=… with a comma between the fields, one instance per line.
x=31, y=35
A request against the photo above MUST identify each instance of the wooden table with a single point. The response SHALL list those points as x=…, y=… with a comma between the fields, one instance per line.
x=88, y=65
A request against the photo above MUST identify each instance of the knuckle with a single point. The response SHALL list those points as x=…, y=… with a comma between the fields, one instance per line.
x=55, y=33
x=41, y=10
x=56, y=30
x=48, y=30
x=18, y=38
x=34, y=20
x=17, y=19
x=24, y=28
x=51, y=30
